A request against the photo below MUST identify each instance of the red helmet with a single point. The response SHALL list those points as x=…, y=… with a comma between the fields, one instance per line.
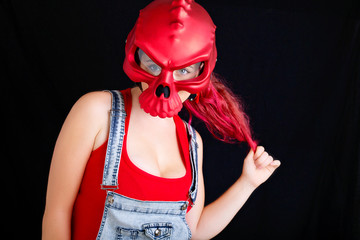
x=174, y=35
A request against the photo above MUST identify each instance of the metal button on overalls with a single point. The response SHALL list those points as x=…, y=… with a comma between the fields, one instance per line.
x=110, y=200
x=184, y=206
x=157, y=232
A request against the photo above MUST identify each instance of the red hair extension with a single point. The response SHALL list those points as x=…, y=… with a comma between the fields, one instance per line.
x=222, y=113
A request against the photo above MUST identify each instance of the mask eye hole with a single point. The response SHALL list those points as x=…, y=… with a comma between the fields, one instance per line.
x=147, y=64
x=188, y=72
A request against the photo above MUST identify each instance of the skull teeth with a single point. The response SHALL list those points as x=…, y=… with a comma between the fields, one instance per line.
x=160, y=106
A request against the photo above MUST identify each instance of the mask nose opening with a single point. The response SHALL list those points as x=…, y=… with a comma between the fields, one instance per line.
x=162, y=90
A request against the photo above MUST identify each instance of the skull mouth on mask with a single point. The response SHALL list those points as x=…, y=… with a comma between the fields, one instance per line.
x=171, y=48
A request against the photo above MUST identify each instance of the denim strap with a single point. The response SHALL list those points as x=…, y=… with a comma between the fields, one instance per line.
x=193, y=146
x=115, y=141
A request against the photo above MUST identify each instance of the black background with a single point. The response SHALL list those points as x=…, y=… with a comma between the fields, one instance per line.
x=294, y=63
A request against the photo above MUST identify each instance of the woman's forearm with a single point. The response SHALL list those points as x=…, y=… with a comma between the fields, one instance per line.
x=217, y=215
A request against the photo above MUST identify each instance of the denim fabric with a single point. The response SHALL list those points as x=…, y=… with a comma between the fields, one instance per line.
x=115, y=141
x=126, y=218
x=194, y=161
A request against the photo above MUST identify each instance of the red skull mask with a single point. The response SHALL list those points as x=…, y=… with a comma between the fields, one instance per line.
x=174, y=35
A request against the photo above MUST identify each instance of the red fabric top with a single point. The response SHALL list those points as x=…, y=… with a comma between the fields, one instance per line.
x=133, y=182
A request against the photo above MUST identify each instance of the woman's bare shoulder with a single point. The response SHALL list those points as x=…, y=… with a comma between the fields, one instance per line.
x=76, y=140
x=94, y=101
x=93, y=109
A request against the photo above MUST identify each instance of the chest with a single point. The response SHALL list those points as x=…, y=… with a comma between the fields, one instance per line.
x=155, y=149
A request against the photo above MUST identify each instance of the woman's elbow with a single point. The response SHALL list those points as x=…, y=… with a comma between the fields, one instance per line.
x=56, y=225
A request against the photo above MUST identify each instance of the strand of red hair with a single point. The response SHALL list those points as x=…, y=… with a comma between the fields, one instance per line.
x=222, y=112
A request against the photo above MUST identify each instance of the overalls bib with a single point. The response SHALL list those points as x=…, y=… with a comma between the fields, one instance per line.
x=127, y=218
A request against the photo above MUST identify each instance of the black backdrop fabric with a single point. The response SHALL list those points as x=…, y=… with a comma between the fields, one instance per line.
x=296, y=65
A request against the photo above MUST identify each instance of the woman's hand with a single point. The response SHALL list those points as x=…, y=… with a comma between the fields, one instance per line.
x=206, y=222
x=258, y=167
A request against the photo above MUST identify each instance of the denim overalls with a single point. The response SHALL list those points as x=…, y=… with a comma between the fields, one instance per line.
x=127, y=218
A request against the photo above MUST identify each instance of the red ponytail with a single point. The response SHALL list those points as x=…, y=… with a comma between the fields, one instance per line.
x=222, y=113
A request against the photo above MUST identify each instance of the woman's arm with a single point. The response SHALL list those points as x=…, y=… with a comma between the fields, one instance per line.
x=205, y=223
x=86, y=121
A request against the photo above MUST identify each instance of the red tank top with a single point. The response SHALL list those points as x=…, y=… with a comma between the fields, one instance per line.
x=133, y=182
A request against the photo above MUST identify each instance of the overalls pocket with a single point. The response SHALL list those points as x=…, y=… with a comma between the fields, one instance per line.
x=126, y=233
x=158, y=230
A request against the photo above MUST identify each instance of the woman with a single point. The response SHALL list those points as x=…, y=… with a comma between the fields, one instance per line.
x=136, y=173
